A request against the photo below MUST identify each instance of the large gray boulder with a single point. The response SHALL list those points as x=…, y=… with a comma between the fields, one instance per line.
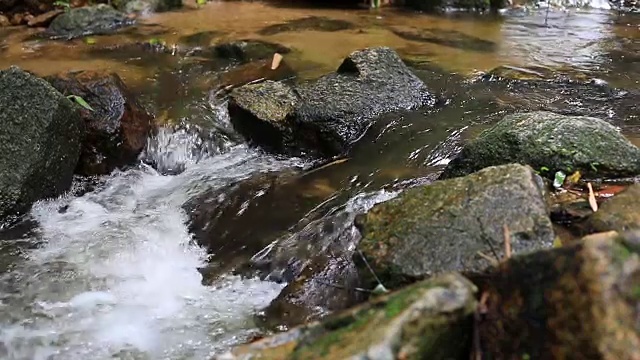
x=90, y=20
x=324, y=117
x=550, y=142
x=443, y=226
x=40, y=141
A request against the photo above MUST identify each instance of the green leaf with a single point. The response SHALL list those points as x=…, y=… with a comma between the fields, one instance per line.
x=80, y=101
x=201, y=2
x=89, y=40
x=559, y=179
x=544, y=169
x=64, y=4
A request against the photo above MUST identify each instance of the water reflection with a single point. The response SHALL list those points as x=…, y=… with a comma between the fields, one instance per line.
x=570, y=39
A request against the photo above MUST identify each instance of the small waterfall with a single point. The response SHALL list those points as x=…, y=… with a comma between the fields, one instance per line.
x=113, y=273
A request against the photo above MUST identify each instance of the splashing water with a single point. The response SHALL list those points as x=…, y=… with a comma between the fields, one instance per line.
x=115, y=274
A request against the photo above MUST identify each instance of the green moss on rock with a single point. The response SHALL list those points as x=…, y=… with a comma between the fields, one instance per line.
x=552, y=141
x=620, y=213
x=442, y=226
x=575, y=302
x=419, y=322
x=39, y=141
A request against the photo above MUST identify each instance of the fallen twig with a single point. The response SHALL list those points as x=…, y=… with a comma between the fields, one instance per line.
x=507, y=241
x=481, y=309
x=493, y=261
x=592, y=198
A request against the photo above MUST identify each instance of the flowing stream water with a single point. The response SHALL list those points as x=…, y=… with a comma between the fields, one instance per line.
x=114, y=273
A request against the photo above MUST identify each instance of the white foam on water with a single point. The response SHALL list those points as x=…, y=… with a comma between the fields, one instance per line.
x=115, y=275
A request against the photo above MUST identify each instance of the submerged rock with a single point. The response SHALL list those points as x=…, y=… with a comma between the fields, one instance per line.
x=442, y=226
x=244, y=51
x=324, y=117
x=255, y=71
x=315, y=23
x=550, y=142
x=117, y=127
x=236, y=221
x=561, y=91
x=450, y=38
x=429, y=320
x=140, y=6
x=90, y=20
x=39, y=141
x=620, y=213
x=317, y=264
x=578, y=302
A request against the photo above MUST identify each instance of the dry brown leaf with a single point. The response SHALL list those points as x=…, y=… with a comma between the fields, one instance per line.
x=592, y=198
x=277, y=58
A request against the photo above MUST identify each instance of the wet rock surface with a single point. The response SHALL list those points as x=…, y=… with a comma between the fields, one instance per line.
x=579, y=301
x=442, y=226
x=562, y=92
x=255, y=71
x=550, y=142
x=244, y=51
x=314, y=23
x=40, y=141
x=90, y=20
x=418, y=322
x=173, y=148
x=237, y=221
x=324, y=117
x=317, y=264
x=620, y=213
x=118, y=126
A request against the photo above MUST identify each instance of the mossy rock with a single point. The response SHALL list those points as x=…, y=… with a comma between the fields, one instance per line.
x=326, y=116
x=40, y=141
x=443, y=226
x=576, y=302
x=248, y=50
x=428, y=320
x=90, y=20
x=620, y=213
x=550, y=142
